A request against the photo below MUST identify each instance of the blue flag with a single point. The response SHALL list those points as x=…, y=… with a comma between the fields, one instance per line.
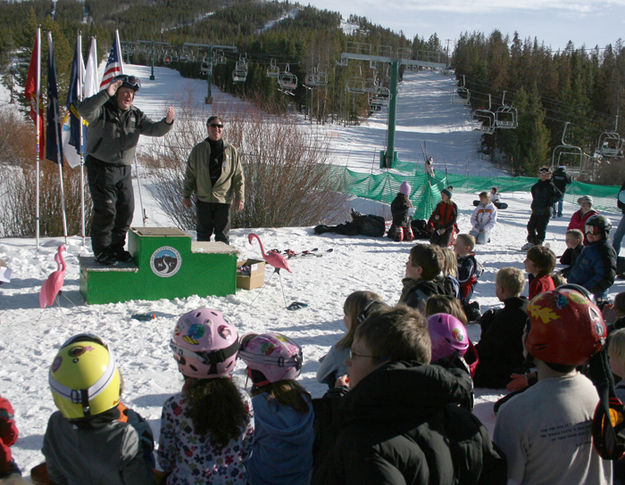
x=54, y=144
x=72, y=123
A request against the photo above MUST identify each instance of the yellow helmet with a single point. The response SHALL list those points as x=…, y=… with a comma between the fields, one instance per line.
x=84, y=378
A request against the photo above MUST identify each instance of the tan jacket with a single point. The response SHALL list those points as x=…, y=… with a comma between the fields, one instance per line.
x=229, y=186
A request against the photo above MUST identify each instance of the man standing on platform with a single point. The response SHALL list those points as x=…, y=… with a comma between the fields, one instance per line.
x=215, y=175
x=114, y=129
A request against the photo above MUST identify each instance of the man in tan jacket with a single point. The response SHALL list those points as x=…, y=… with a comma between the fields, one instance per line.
x=214, y=174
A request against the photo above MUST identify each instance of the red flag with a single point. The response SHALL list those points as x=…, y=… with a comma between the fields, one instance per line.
x=33, y=94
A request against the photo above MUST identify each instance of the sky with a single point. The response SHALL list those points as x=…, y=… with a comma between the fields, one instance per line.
x=555, y=22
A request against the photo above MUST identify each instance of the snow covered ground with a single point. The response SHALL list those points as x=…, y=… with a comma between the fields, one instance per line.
x=30, y=336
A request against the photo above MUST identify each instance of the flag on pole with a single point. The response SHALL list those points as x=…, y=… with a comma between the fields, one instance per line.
x=72, y=139
x=33, y=93
x=54, y=145
x=114, y=65
x=90, y=86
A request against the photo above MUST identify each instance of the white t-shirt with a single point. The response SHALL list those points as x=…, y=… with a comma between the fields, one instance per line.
x=545, y=433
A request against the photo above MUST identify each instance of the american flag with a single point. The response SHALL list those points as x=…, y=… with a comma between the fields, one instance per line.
x=114, y=65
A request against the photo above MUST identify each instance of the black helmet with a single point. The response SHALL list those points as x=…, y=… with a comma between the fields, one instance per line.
x=131, y=82
x=598, y=224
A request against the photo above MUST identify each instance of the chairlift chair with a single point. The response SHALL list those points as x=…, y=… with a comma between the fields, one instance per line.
x=610, y=144
x=486, y=120
x=273, y=70
x=239, y=75
x=219, y=57
x=287, y=80
x=461, y=95
x=572, y=152
x=356, y=85
x=316, y=78
x=506, y=117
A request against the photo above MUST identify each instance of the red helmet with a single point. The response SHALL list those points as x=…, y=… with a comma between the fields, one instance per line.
x=566, y=327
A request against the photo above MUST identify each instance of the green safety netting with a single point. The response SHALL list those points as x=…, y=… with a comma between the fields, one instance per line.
x=426, y=189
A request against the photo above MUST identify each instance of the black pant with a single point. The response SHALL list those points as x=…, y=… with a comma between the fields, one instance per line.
x=113, y=204
x=213, y=217
x=536, y=228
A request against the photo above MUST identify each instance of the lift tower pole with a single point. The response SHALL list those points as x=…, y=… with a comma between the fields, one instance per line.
x=401, y=57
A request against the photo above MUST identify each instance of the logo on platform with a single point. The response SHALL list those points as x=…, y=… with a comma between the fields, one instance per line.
x=165, y=261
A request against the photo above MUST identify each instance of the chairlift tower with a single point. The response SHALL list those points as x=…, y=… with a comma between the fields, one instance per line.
x=388, y=158
x=210, y=48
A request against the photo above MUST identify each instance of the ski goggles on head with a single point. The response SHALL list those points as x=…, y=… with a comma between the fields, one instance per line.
x=594, y=230
x=132, y=82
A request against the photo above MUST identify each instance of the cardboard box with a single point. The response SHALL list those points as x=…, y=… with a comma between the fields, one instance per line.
x=256, y=278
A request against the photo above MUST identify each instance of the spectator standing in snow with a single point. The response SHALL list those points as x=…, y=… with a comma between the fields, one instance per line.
x=544, y=195
x=545, y=431
x=483, y=219
x=429, y=166
x=560, y=179
x=114, y=128
x=215, y=175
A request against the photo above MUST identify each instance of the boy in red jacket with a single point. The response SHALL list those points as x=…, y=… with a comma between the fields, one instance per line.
x=443, y=220
x=540, y=262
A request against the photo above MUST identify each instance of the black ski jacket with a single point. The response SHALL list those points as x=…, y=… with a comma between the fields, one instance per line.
x=544, y=195
x=403, y=424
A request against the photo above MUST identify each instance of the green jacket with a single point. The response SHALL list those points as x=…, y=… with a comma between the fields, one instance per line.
x=230, y=184
x=113, y=134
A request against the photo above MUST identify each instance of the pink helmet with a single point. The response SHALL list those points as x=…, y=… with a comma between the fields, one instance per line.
x=204, y=344
x=405, y=188
x=448, y=335
x=270, y=357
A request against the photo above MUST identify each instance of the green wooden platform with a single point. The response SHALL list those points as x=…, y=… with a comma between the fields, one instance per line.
x=167, y=264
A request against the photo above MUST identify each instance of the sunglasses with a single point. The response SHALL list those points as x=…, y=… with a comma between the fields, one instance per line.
x=216, y=125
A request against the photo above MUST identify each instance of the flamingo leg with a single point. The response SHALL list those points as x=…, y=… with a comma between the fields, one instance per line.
x=281, y=286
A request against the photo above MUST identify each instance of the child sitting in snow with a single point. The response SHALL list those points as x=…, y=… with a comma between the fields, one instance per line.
x=483, y=219
x=401, y=229
x=501, y=343
x=283, y=413
x=574, y=239
x=539, y=263
x=442, y=222
x=207, y=428
x=422, y=278
x=469, y=270
x=8, y=437
x=358, y=306
x=450, y=272
x=91, y=435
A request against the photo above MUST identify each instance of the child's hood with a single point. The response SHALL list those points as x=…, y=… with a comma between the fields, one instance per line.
x=280, y=420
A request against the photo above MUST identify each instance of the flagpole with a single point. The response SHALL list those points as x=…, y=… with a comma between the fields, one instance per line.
x=81, y=77
x=59, y=143
x=38, y=135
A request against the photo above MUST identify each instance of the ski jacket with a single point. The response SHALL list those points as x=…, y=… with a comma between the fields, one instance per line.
x=484, y=217
x=114, y=133
x=469, y=270
x=403, y=424
x=544, y=195
x=578, y=221
x=595, y=268
x=282, y=450
x=332, y=366
x=561, y=179
x=540, y=284
x=444, y=215
x=190, y=459
x=501, y=343
x=400, y=208
x=229, y=186
x=416, y=292
x=100, y=451
x=569, y=257
x=8, y=436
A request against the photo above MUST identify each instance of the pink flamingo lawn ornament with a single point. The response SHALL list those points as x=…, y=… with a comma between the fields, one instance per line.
x=51, y=287
x=274, y=259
